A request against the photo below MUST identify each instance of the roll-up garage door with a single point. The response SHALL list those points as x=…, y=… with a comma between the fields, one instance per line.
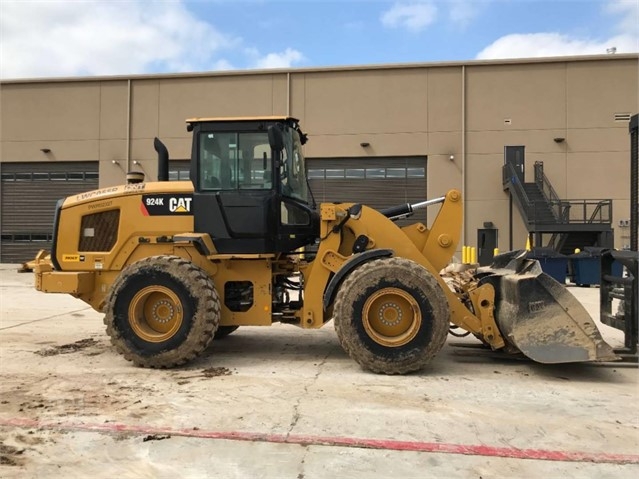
x=28, y=195
x=376, y=182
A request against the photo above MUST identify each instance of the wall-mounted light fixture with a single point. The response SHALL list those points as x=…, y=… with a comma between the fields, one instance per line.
x=115, y=162
x=137, y=164
x=451, y=157
x=559, y=140
x=45, y=150
x=364, y=144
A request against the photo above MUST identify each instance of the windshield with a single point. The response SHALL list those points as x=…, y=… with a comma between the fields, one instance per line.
x=293, y=168
x=230, y=160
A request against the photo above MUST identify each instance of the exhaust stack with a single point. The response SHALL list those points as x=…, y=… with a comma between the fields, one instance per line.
x=163, y=159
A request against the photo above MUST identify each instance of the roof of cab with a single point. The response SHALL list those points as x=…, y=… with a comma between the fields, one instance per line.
x=240, y=118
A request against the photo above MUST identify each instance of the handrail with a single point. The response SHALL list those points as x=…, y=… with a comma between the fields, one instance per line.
x=549, y=192
x=564, y=210
x=554, y=210
x=585, y=211
x=544, y=182
x=599, y=208
x=510, y=177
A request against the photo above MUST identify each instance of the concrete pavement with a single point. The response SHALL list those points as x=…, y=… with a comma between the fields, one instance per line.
x=281, y=402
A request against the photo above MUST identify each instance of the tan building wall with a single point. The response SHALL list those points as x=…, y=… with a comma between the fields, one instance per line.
x=469, y=111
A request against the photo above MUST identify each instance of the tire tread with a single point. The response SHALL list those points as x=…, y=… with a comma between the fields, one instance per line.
x=355, y=284
x=205, y=322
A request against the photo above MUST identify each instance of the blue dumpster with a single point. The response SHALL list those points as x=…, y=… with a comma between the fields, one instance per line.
x=552, y=263
x=586, y=267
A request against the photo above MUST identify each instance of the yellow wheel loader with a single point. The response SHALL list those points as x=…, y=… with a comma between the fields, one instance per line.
x=174, y=265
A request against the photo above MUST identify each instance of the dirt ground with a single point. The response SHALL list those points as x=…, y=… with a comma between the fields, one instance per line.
x=280, y=402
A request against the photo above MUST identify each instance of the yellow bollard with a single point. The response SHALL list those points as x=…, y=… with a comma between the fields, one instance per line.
x=528, y=248
x=464, y=255
x=473, y=255
x=495, y=252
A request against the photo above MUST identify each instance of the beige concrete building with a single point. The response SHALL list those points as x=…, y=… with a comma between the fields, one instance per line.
x=381, y=133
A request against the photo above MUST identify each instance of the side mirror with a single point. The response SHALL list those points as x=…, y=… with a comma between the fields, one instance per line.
x=276, y=138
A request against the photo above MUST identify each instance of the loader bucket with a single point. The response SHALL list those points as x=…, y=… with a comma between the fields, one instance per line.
x=538, y=315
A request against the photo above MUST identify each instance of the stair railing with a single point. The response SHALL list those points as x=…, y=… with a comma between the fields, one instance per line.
x=561, y=209
x=600, y=214
x=584, y=211
x=511, y=179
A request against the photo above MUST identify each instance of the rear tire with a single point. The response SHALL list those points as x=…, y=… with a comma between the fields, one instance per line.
x=162, y=312
x=391, y=316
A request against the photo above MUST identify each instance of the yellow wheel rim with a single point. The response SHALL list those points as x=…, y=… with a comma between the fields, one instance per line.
x=391, y=317
x=155, y=314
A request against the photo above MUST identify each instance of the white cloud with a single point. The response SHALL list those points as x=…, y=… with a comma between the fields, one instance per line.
x=547, y=44
x=529, y=45
x=222, y=64
x=73, y=38
x=283, y=59
x=414, y=16
x=67, y=38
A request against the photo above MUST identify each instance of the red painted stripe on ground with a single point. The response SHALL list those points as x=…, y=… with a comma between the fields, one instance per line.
x=392, y=445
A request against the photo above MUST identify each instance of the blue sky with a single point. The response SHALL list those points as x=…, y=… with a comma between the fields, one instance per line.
x=47, y=38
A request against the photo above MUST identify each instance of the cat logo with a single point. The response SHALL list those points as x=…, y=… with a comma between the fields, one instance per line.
x=180, y=205
x=166, y=205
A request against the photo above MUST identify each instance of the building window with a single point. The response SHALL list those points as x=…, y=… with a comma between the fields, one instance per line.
x=50, y=176
x=416, y=172
x=364, y=173
x=356, y=173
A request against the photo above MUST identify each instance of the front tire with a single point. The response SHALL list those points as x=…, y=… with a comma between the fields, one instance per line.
x=391, y=316
x=162, y=312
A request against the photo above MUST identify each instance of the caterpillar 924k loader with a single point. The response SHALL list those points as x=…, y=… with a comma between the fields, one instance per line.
x=175, y=264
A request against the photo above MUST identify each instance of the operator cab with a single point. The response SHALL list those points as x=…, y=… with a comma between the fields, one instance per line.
x=250, y=188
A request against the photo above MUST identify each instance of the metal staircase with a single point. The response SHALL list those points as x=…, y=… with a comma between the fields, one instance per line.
x=558, y=223
x=542, y=211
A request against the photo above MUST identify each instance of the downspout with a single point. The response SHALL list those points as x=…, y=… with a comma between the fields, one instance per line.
x=128, y=126
x=288, y=93
x=510, y=220
x=0, y=212
x=463, y=152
